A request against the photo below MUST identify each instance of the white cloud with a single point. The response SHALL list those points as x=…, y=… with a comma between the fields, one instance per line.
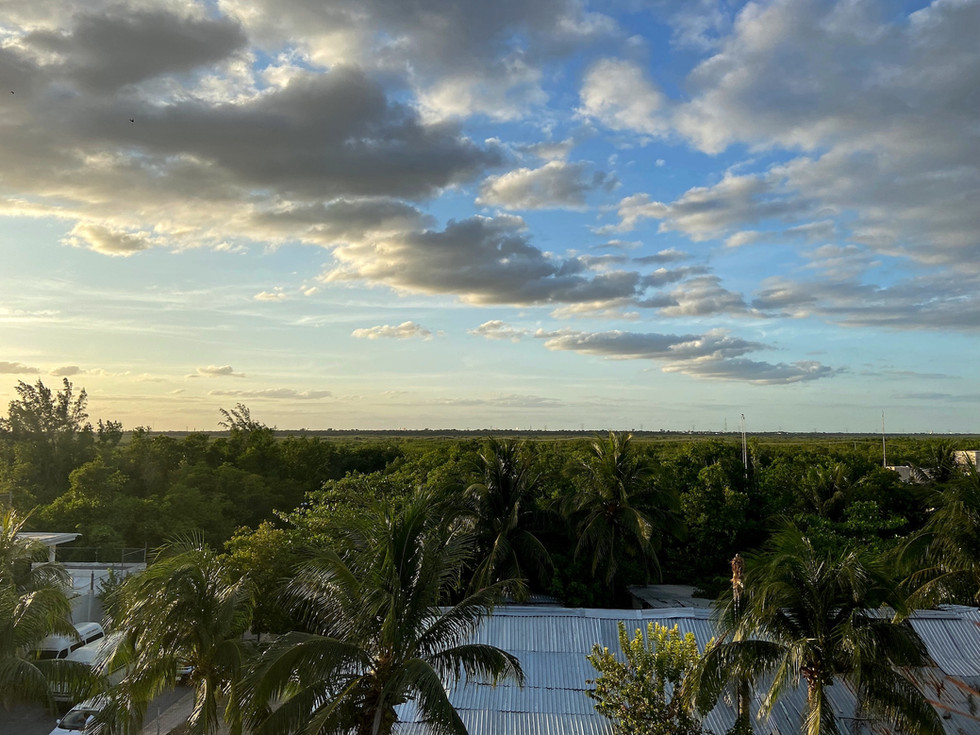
x=619, y=95
x=496, y=329
x=277, y=294
x=216, y=371
x=274, y=393
x=405, y=330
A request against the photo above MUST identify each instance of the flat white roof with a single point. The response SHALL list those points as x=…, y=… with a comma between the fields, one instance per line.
x=49, y=538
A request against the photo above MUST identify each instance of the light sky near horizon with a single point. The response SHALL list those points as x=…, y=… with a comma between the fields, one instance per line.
x=546, y=213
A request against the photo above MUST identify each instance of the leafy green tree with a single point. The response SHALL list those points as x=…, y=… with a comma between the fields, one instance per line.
x=382, y=629
x=813, y=617
x=504, y=512
x=266, y=557
x=618, y=510
x=33, y=605
x=184, y=610
x=51, y=436
x=716, y=517
x=633, y=690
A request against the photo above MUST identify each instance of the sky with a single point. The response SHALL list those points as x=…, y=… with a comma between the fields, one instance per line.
x=635, y=214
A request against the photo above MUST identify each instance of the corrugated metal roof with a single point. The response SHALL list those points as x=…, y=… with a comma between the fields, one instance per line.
x=552, y=644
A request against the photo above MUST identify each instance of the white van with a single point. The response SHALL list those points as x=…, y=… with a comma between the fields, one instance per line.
x=86, y=655
x=59, y=646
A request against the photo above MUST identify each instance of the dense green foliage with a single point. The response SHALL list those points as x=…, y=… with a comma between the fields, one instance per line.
x=579, y=518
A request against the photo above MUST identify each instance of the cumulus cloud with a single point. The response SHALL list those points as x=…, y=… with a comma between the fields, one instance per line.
x=555, y=185
x=618, y=94
x=108, y=240
x=405, y=330
x=66, y=371
x=483, y=260
x=463, y=58
x=496, y=329
x=121, y=47
x=702, y=296
x=163, y=109
x=14, y=368
x=714, y=355
x=216, y=371
x=274, y=393
x=885, y=113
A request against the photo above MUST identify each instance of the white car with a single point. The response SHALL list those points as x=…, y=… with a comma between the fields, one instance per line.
x=78, y=719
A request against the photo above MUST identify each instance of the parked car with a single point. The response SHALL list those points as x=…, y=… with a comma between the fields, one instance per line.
x=79, y=718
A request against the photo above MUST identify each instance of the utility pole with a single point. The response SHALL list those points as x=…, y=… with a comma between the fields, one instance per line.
x=884, y=460
x=745, y=449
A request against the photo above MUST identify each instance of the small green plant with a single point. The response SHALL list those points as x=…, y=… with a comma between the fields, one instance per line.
x=638, y=693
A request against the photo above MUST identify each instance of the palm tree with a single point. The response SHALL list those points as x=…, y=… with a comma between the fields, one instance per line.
x=946, y=555
x=618, y=510
x=183, y=612
x=381, y=629
x=503, y=510
x=816, y=617
x=33, y=605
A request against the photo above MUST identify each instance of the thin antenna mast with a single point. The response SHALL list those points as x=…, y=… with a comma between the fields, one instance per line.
x=745, y=449
x=884, y=460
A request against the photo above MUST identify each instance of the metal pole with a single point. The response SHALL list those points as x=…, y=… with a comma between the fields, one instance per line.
x=884, y=460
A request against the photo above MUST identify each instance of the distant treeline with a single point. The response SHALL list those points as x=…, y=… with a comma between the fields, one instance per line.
x=260, y=493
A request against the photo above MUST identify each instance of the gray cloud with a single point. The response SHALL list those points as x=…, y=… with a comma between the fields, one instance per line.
x=756, y=373
x=483, y=260
x=714, y=355
x=555, y=185
x=104, y=52
x=214, y=150
x=14, y=368
x=924, y=302
x=701, y=296
x=66, y=371
x=942, y=397
x=671, y=255
x=464, y=58
x=648, y=346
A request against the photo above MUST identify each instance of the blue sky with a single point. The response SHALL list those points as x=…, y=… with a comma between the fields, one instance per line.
x=546, y=213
